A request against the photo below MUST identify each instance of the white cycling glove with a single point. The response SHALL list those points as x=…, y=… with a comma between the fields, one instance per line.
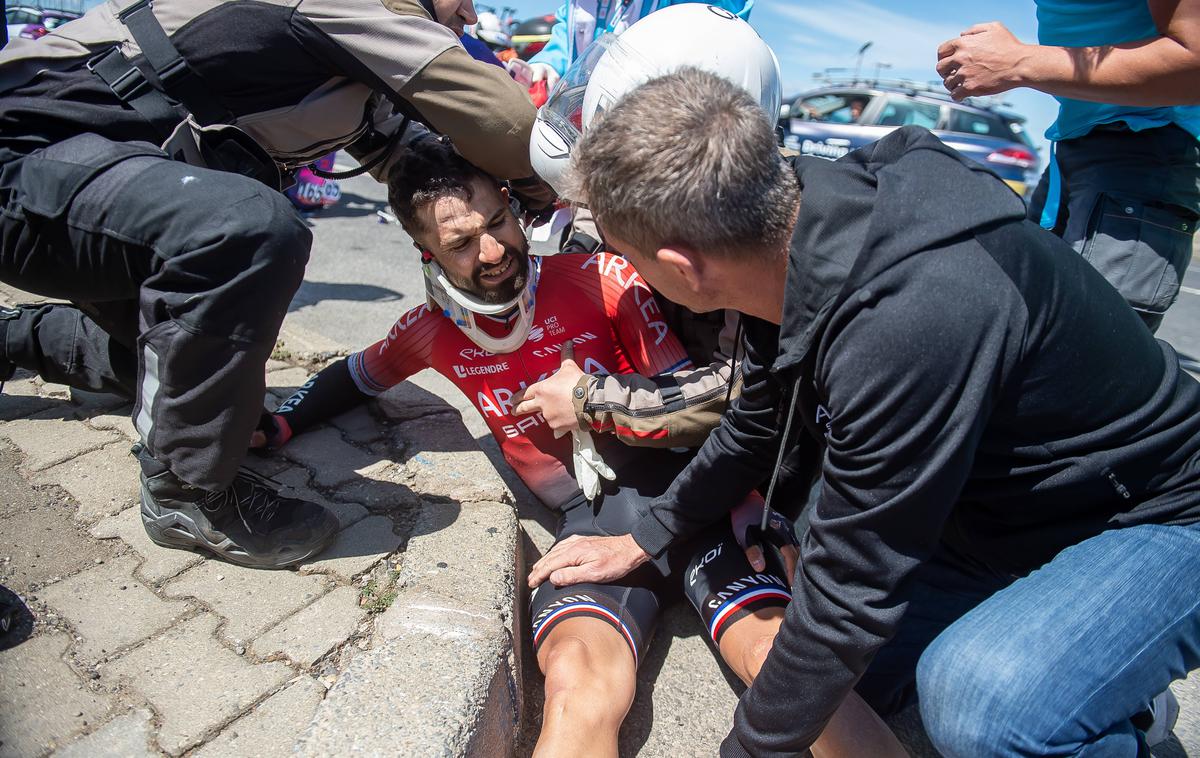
x=590, y=468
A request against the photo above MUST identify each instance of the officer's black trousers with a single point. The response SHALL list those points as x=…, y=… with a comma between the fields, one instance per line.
x=181, y=275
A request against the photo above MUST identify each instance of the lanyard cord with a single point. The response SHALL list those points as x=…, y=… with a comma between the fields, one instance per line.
x=787, y=433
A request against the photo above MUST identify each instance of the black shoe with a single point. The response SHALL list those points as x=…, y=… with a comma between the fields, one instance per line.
x=249, y=523
x=7, y=367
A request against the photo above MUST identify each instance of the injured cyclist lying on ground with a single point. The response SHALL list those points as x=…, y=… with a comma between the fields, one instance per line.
x=480, y=331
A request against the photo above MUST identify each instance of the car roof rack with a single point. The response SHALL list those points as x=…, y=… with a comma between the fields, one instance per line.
x=932, y=89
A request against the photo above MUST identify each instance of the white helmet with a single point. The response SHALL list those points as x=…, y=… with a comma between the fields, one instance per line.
x=462, y=307
x=489, y=29
x=704, y=36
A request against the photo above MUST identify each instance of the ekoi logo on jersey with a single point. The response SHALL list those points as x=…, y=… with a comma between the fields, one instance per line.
x=473, y=353
x=619, y=269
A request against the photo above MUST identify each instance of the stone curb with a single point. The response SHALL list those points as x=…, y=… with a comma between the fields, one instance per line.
x=443, y=674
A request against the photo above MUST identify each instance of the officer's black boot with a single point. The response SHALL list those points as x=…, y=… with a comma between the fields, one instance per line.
x=7, y=367
x=249, y=523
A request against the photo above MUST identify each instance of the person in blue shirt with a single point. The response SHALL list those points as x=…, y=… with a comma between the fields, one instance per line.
x=578, y=22
x=1123, y=184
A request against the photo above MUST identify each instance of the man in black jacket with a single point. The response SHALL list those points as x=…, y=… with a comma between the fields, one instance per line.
x=1006, y=527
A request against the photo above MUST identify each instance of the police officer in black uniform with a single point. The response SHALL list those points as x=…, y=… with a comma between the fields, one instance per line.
x=142, y=148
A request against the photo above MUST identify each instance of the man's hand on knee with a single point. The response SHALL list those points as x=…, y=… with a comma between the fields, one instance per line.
x=588, y=559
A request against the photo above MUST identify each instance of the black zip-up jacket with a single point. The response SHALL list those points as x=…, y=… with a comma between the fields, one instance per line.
x=970, y=379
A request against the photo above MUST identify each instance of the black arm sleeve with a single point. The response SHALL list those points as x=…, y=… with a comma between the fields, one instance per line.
x=734, y=459
x=330, y=392
x=909, y=384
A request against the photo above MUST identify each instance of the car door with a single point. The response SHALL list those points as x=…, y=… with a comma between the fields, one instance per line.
x=828, y=124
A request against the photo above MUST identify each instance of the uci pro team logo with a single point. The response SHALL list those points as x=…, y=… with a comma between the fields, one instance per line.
x=536, y=334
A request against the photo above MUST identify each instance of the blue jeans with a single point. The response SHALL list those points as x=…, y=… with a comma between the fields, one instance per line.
x=1054, y=663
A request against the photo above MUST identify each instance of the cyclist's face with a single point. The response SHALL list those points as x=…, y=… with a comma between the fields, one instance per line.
x=455, y=14
x=478, y=242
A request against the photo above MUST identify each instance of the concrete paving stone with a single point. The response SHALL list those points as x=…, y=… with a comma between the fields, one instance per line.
x=42, y=701
x=445, y=461
x=193, y=682
x=92, y=403
x=331, y=459
x=307, y=636
x=103, y=482
x=160, y=563
x=50, y=437
x=407, y=401
x=380, y=487
x=251, y=600
x=120, y=422
x=282, y=383
x=295, y=480
x=274, y=365
x=357, y=549
x=453, y=548
x=39, y=539
x=358, y=426
x=110, y=609
x=443, y=687
x=270, y=730
x=20, y=398
x=125, y=736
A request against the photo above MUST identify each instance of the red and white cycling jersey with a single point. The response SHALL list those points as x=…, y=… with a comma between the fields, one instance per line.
x=600, y=303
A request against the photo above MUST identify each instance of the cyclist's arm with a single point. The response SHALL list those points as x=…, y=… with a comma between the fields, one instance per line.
x=355, y=380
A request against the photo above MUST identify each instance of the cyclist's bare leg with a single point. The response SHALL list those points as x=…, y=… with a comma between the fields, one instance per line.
x=590, y=683
x=854, y=730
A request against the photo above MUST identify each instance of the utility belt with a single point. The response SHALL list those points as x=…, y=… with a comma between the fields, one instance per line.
x=164, y=89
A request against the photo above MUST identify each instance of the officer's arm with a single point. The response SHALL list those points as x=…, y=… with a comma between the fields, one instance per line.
x=674, y=410
x=395, y=47
x=736, y=457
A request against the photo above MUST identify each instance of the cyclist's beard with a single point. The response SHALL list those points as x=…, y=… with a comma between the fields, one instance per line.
x=506, y=290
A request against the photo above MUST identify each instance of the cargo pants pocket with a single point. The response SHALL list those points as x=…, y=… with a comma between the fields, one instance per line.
x=1141, y=247
x=50, y=178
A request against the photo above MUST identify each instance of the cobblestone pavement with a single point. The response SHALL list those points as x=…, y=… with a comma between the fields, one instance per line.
x=129, y=649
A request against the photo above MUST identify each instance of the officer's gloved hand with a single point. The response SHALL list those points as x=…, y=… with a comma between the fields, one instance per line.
x=590, y=468
x=272, y=433
x=746, y=522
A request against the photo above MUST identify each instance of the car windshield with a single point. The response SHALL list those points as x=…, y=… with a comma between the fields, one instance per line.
x=901, y=111
x=834, y=108
x=980, y=124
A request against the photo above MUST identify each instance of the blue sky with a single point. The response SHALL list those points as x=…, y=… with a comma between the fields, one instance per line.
x=811, y=35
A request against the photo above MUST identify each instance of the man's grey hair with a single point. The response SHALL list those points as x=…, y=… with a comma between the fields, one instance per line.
x=687, y=159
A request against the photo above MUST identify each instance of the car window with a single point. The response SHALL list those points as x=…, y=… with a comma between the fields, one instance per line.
x=834, y=108
x=900, y=111
x=980, y=124
x=20, y=16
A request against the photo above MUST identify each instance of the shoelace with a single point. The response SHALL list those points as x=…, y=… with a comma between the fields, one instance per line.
x=261, y=501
